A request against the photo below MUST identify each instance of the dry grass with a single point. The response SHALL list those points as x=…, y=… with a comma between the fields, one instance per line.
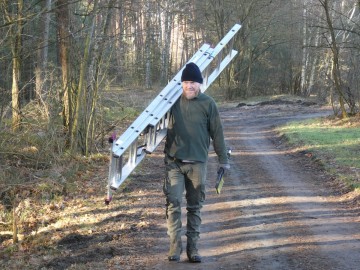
x=39, y=178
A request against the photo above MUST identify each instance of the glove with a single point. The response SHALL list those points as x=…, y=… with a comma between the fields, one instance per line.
x=223, y=167
x=226, y=166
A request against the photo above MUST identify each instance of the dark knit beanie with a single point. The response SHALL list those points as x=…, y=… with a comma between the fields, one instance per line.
x=191, y=73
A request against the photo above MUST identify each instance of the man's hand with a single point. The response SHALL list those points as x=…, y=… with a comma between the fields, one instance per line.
x=226, y=166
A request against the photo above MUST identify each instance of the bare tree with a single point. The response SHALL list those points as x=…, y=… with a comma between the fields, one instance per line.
x=148, y=44
x=14, y=17
x=335, y=68
x=78, y=128
x=165, y=41
x=63, y=31
x=97, y=70
x=305, y=55
x=42, y=63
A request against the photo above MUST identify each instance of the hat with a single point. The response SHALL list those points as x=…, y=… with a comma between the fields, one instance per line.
x=192, y=73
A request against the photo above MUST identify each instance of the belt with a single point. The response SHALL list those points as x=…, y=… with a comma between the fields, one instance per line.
x=180, y=160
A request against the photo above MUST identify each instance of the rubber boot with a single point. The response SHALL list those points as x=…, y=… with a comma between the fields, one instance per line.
x=192, y=251
x=175, y=250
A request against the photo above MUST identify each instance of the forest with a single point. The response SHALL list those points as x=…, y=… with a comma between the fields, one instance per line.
x=62, y=60
x=59, y=57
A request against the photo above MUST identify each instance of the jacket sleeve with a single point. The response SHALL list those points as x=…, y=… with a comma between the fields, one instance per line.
x=217, y=134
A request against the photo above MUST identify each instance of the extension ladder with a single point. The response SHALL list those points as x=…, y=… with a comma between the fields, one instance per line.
x=149, y=129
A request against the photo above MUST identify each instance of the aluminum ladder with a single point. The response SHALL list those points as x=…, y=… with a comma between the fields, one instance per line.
x=149, y=129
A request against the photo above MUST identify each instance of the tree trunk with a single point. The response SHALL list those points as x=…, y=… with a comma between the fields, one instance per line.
x=16, y=116
x=120, y=44
x=304, y=52
x=78, y=130
x=335, y=59
x=62, y=14
x=166, y=44
x=313, y=66
x=41, y=67
x=16, y=51
x=46, y=35
x=148, y=46
x=93, y=95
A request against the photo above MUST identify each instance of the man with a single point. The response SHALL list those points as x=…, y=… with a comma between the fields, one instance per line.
x=194, y=121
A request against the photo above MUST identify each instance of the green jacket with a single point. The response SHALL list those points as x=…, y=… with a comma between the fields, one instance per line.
x=192, y=123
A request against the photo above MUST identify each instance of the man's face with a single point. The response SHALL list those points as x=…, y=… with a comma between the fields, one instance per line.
x=190, y=89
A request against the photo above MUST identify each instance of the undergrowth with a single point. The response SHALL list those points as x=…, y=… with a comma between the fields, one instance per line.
x=38, y=173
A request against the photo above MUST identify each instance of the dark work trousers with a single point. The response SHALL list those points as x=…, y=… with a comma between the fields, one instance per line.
x=190, y=177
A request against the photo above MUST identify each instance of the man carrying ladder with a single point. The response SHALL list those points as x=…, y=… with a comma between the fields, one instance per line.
x=188, y=119
x=194, y=120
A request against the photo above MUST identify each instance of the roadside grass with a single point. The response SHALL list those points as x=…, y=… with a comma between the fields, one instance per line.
x=335, y=142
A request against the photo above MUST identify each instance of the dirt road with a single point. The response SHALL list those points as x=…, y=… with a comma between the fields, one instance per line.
x=276, y=211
